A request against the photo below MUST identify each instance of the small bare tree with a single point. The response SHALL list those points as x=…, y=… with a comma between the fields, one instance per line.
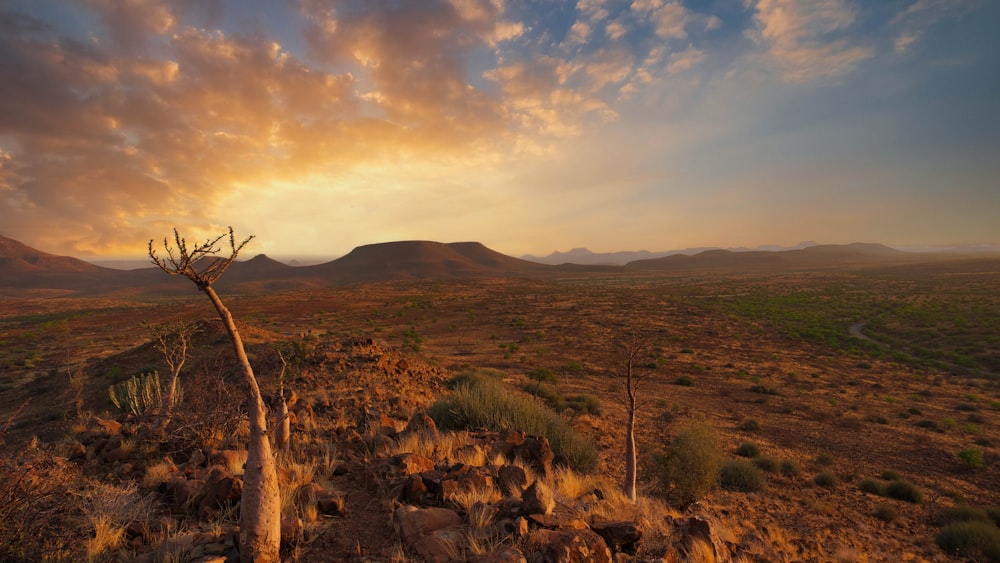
x=260, y=504
x=635, y=347
x=173, y=341
x=282, y=424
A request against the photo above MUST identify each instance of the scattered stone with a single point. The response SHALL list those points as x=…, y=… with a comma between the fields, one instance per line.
x=620, y=536
x=512, y=480
x=411, y=464
x=221, y=489
x=566, y=546
x=538, y=499
x=413, y=522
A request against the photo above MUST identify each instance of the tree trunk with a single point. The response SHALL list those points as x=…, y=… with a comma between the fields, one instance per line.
x=628, y=487
x=167, y=408
x=260, y=505
x=282, y=427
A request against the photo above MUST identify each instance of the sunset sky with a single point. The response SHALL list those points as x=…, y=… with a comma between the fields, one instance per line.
x=530, y=126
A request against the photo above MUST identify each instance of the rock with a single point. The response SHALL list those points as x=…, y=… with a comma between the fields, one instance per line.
x=107, y=427
x=477, y=479
x=537, y=454
x=538, y=499
x=186, y=492
x=422, y=425
x=409, y=464
x=327, y=502
x=620, y=536
x=413, y=522
x=412, y=490
x=566, y=546
x=557, y=521
x=502, y=555
x=221, y=489
x=512, y=480
x=440, y=546
x=233, y=460
x=506, y=442
x=701, y=529
x=197, y=458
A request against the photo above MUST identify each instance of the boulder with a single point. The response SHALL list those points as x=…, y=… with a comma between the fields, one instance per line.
x=413, y=522
x=538, y=499
x=512, y=480
x=620, y=536
x=422, y=425
x=410, y=464
x=566, y=546
x=221, y=489
x=536, y=452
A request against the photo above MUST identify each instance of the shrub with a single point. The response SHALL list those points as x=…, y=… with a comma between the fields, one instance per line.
x=994, y=513
x=542, y=374
x=763, y=389
x=741, y=476
x=890, y=475
x=548, y=394
x=971, y=458
x=824, y=459
x=689, y=466
x=585, y=404
x=872, y=486
x=970, y=538
x=961, y=513
x=790, y=468
x=489, y=403
x=766, y=463
x=885, y=513
x=140, y=394
x=825, y=479
x=474, y=376
x=904, y=490
x=750, y=425
x=684, y=381
x=748, y=449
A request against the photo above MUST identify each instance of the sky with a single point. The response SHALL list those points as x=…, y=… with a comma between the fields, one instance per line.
x=528, y=125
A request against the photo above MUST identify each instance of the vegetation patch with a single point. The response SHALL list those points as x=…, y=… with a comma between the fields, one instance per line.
x=488, y=403
x=741, y=476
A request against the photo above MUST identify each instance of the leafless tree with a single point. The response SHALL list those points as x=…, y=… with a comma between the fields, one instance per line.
x=635, y=347
x=282, y=425
x=173, y=341
x=260, y=504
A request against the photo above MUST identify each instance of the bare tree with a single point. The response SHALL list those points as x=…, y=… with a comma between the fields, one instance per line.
x=173, y=341
x=635, y=346
x=282, y=425
x=260, y=504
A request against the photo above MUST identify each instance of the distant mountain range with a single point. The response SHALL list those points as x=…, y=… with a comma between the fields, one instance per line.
x=28, y=271
x=583, y=256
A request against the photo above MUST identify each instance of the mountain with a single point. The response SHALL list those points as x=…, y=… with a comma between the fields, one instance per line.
x=16, y=257
x=823, y=256
x=585, y=257
x=421, y=260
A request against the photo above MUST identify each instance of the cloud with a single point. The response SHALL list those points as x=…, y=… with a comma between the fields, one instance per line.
x=920, y=15
x=807, y=39
x=669, y=19
x=685, y=60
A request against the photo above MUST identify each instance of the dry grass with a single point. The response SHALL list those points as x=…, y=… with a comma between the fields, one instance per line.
x=158, y=474
x=109, y=535
x=110, y=509
x=466, y=498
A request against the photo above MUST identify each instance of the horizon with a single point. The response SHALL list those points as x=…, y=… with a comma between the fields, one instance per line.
x=599, y=124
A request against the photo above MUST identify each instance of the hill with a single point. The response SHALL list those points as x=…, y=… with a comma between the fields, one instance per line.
x=824, y=256
x=16, y=258
x=421, y=260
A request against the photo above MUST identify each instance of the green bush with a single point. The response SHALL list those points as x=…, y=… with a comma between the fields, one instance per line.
x=904, y=490
x=542, y=374
x=585, y=404
x=971, y=458
x=749, y=425
x=824, y=459
x=548, y=394
x=890, y=475
x=872, y=486
x=790, y=468
x=488, y=403
x=961, y=513
x=748, y=449
x=826, y=479
x=474, y=376
x=684, y=381
x=741, y=476
x=970, y=539
x=140, y=395
x=885, y=513
x=688, y=467
x=766, y=463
